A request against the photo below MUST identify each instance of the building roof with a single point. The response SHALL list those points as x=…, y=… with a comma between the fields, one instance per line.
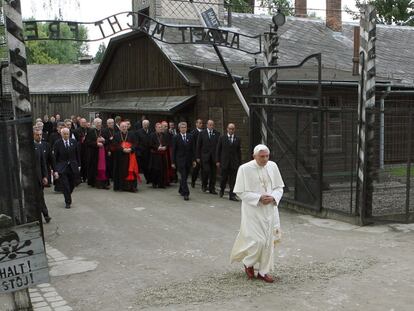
x=158, y=104
x=56, y=78
x=65, y=78
x=300, y=37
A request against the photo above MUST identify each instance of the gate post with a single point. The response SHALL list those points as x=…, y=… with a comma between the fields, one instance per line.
x=366, y=116
x=269, y=76
x=18, y=147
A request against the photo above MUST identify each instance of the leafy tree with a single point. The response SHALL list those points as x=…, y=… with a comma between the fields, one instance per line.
x=389, y=12
x=56, y=51
x=100, y=53
x=241, y=6
x=285, y=6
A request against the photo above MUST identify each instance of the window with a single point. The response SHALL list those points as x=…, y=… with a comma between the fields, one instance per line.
x=59, y=99
x=332, y=131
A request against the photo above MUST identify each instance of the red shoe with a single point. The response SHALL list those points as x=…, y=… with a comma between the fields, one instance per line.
x=267, y=278
x=249, y=271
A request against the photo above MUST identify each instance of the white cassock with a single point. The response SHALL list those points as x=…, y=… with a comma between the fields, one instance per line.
x=254, y=244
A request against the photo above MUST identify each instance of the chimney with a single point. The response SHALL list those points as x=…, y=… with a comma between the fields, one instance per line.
x=301, y=8
x=85, y=60
x=355, y=59
x=334, y=14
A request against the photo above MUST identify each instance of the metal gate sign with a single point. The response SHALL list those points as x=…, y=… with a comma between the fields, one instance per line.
x=171, y=34
x=23, y=261
x=210, y=18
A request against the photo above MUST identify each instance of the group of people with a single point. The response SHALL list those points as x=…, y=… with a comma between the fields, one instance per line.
x=77, y=152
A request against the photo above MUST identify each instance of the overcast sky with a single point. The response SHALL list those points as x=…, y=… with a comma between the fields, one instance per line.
x=93, y=10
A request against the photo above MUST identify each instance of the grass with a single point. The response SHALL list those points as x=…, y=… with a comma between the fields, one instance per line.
x=401, y=171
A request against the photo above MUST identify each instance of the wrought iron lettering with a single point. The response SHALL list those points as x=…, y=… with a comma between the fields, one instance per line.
x=171, y=34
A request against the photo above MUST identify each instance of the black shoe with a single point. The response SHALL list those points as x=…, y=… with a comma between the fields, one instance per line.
x=48, y=219
x=186, y=198
x=204, y=188
x=67, y=206
x=213, y=192
x=233, y=198
x=192, y=184
x=221, y=193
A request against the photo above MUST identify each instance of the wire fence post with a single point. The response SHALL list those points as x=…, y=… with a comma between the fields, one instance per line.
x=366, y=117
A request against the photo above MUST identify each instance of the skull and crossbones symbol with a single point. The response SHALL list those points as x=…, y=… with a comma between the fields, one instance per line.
x=10, y=246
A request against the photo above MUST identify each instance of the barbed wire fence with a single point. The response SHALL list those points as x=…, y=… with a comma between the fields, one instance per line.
x=184, y=9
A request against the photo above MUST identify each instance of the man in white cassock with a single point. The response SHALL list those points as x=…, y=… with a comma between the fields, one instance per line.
x=259, y=185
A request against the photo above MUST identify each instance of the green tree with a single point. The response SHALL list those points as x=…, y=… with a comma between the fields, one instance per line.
x=100, y=53
x=56, y=51
x=389, y=12
x=241, y=6
x=285, y=6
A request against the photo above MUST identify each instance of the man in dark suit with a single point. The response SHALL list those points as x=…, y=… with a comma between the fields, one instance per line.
x=47, y=127
x=228, y=159
x=195, y=132
x=206, y=155
x=54, y=137
x=183, y=157
x=66, y=159
x=81, y=134
x=143, y=149
x=41, y=170
x=138, y=125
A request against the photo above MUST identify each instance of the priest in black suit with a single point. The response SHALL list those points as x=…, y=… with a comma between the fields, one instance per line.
x=195, y=132
x=206, y=155
x=228, y=159
x=143, y=149
x=183, y=157
x=41, y=171
x=66, y=164
x=81, y=134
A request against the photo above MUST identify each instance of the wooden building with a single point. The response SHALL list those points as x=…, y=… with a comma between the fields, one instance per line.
x=60, y=89
x=137, y=78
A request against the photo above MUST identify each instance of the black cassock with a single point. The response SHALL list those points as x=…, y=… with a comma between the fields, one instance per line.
x=121, y=161
x=81, y=134
x=108, y=134
x=159, y=163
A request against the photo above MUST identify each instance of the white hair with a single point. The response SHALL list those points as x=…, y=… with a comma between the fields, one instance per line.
x=97, y=120
x=259, y=148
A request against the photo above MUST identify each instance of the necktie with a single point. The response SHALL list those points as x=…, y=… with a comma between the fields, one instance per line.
x=209, y=134
x=184, y=137
x=231, y=139
x=66, y=144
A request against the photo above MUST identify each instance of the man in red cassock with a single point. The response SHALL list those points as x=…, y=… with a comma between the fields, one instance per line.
x=126, y=170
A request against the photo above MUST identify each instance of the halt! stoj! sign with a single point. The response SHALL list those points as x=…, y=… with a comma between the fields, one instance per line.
x=23, y=261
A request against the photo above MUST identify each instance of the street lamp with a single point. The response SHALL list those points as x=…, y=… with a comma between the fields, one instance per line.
x=279, y=19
